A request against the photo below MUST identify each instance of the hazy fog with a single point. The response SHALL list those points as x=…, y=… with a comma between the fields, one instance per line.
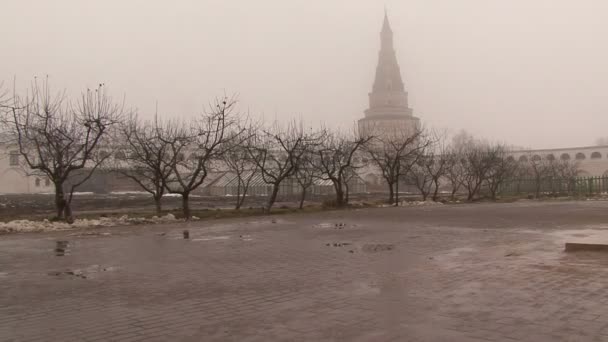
x=529, y=72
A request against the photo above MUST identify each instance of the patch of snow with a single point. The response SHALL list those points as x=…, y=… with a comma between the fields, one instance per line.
x=47, y=226
x=130, y=193
x=420, y=203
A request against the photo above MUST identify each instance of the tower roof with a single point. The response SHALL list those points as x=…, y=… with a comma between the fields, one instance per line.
x=388, y=97
x=386, y=26
x=388, y=74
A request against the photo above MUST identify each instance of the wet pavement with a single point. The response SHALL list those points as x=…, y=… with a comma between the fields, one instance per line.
x=483, y=272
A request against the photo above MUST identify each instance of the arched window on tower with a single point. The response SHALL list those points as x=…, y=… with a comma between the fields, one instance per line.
x=596, y=155
x=580, y=156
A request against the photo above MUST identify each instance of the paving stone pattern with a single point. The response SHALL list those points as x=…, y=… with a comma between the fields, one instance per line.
x=484, y=272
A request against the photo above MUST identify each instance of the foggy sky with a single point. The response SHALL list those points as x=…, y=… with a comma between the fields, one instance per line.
x=531, y=73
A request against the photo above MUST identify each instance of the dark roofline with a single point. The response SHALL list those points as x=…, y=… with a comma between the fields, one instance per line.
x=561, y=149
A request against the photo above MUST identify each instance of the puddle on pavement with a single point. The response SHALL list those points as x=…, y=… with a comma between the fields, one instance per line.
x=375, y=248
x=211, y=238
x=327, y=225
x=91, y=234
x=84, y=273
x=245, y=237
x=62, y=248
x=338, y=244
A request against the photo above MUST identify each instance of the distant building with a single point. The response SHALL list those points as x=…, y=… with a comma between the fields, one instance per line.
x=389, y=112
x=593, y=160
x=14, y=177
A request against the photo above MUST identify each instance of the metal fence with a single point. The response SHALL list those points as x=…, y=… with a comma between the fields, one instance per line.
x=556, y=186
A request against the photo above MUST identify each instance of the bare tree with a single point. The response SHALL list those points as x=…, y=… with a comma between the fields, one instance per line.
x=60, y=139
x=420, y=177
x=335, y=161
x=567, y=169
x=456, y=168
x=455, y=171
x=146, y=155
x=206, y=141
x=394, y=154
x=278, y=152
x=306, y=174
x=438, y=162
x=502, y=168
x=239, y=161
x=478, y=160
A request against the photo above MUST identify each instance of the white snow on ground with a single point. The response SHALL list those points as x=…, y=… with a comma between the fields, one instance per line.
x=48, y=226
x=420, y=203
x=130, y=193
x=414, y=204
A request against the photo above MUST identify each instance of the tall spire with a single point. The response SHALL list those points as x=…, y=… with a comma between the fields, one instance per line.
x=388, y=96
x=386, y=26
x=389, y=112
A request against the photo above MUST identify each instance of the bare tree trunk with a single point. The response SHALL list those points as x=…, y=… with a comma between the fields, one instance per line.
x=186, y=205
x=302, y=198
x=60, y=202
x=339, y=196
x=346, y=193
x=397, y=193
x=238, y=194
x=69, y=218
x=272, y=198
x=436, y=192
x=339, y=193
x=471, y=195
x=157, y=205
x=391, y=193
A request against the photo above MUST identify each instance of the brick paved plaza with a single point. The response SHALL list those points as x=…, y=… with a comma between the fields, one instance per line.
x=482, y=272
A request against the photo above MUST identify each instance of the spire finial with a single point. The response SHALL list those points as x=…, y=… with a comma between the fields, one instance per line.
x=386, y=26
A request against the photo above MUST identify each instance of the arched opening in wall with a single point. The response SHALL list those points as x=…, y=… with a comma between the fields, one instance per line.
x=565, y=156
x=536, y=157
x=37, y=182
x=596, y=155
x=523, y=159
x=581, y=156
x=550, y=157
x=510, y=158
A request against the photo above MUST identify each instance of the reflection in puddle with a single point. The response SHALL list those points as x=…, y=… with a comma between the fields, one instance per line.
x=62, y=248
x=212, y=238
